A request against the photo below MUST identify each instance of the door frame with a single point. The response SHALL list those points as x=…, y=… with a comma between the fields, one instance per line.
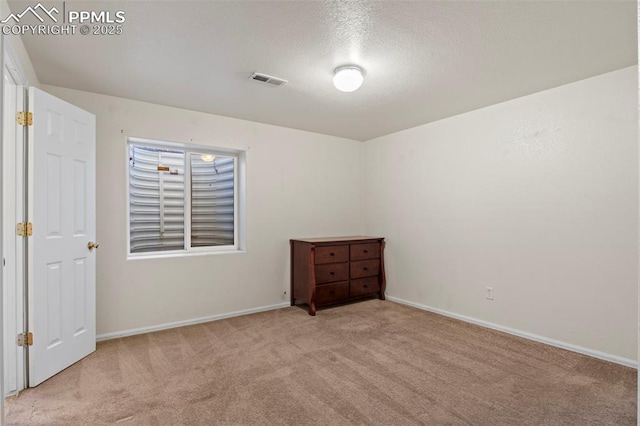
x=2, y=50
x=16, y=208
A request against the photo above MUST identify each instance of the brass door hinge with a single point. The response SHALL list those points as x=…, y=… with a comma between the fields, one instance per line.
x=25, y=118
x=24, y=229
x=25, y=339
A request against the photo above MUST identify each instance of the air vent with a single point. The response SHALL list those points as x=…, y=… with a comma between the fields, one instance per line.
x=263, y=78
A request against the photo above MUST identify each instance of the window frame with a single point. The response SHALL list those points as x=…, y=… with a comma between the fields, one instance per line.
x=239, y=160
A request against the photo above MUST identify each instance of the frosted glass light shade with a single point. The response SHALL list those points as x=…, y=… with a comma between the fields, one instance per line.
x=348, y=79
x=207, y=157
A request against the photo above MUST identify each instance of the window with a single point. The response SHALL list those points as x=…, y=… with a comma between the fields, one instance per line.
x=182, y=198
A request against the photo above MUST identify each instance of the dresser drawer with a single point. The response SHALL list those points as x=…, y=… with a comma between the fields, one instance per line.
x=332, y=272
x=365, y=251
x=332, y=292
x=364, y=286
x=332, y=254
x=365, y=268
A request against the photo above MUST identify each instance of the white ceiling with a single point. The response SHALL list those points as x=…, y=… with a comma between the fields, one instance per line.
x=424, y=60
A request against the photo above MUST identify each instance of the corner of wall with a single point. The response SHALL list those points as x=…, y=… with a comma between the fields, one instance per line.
x=638, y=354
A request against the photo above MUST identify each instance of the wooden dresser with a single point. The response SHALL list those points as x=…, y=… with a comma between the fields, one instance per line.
x=334, y=270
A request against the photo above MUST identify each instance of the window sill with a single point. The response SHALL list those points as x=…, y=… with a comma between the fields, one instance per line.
x=143, y=256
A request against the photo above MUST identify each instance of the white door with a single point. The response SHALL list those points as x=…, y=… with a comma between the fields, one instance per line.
x=62, y=268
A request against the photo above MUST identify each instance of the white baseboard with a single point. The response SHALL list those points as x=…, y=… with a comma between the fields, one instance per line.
x=152, y=328
x=568, y=346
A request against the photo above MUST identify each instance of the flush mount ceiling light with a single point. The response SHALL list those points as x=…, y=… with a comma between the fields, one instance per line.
x=348, y=78
x=207, y=158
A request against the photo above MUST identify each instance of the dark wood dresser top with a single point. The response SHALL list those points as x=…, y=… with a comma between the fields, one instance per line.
x=336, y=239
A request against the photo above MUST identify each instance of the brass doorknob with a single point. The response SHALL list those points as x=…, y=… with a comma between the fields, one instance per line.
x=91, y=245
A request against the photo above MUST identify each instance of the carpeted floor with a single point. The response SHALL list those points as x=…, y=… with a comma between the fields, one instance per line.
x=374, y=362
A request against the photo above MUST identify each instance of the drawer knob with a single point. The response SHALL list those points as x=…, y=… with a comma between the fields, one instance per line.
x=366, y=251
x=365, y=286
x=331, y=292
x=332, y=273
x=365, y=269
x=332, y=254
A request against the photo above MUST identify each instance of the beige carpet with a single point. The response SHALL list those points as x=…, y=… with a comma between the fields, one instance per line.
x=374, y=362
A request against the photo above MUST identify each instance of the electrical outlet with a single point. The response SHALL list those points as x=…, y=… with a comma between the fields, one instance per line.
x=489, y=293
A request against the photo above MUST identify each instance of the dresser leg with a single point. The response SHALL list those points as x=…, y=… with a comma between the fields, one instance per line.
x=312, y=308
x=382, y=277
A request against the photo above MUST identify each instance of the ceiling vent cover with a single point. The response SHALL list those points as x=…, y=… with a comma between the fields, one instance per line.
x=269, y=79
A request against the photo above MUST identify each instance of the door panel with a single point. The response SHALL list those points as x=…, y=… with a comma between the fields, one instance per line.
x=62, y=210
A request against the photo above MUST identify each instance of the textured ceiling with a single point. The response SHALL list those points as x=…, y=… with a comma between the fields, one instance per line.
x=424, y=60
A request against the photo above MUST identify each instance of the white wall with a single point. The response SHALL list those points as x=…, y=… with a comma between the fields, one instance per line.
x=536, y=197
x=299, y=184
